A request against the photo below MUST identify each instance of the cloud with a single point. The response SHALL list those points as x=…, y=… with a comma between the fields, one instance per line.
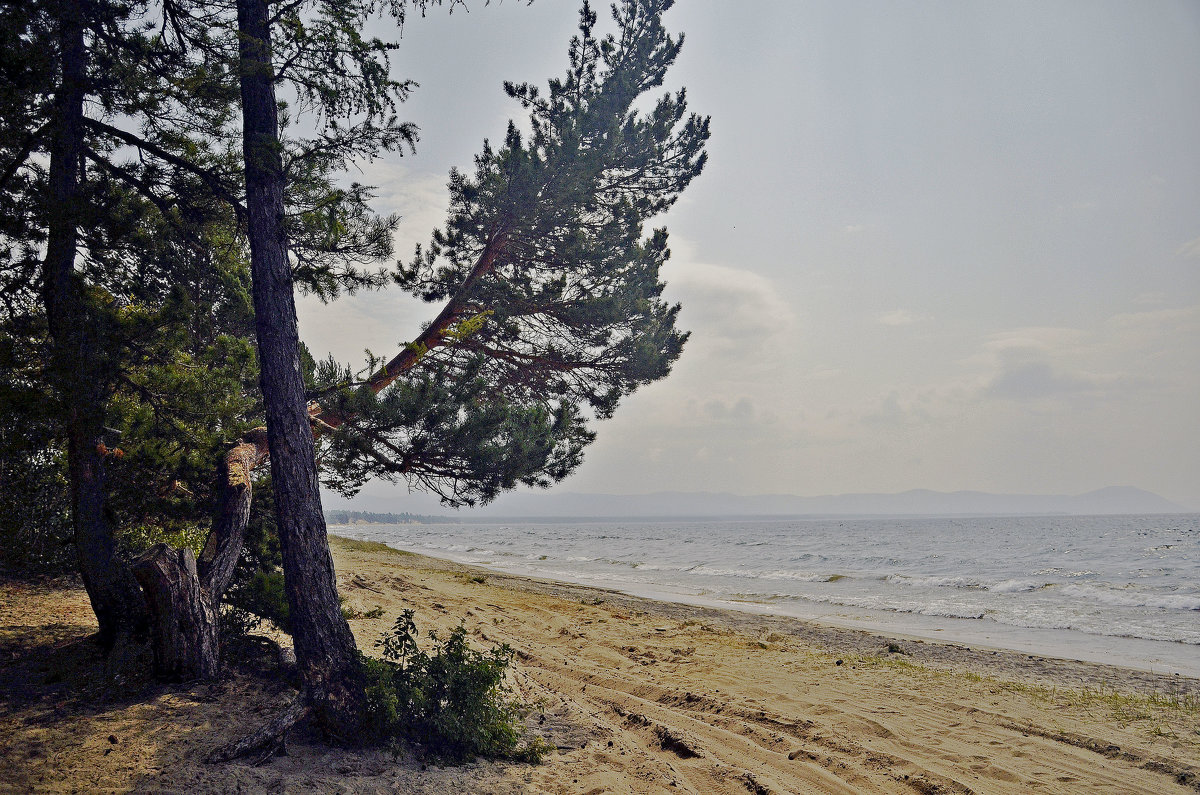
x=1152, y=299
x=1166, y=322
x=892, y=412
x=1041, y=339
x=854, y=228
x=729, y=310
x=741, y=410
x=900, y=317
x=1190, y=249
x=1035, y=380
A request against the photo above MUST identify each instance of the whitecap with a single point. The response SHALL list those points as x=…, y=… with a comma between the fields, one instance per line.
x=1017, y=586
x=934, y=582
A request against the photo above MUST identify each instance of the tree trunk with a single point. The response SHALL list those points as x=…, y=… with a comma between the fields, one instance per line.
x=325, y=650
x=116, y=600
x=185, y=597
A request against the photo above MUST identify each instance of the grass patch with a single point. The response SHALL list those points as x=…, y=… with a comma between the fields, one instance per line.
x=1126, y=706
x=350, y=612
x=354, y=545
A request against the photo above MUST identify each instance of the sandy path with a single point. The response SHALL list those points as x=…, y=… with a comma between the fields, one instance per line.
x=637, y=696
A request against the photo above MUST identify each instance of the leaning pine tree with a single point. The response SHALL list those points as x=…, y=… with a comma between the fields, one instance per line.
x=551, y=307
x=551, y=298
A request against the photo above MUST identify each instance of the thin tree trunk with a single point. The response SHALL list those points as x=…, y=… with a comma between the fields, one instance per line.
x=325, y=649
x=114, y=594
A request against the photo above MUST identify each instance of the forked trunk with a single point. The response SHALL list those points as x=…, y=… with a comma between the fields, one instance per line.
x=184, y=595
x=184, y=628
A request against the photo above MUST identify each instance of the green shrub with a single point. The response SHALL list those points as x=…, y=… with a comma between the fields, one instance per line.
x=351, y=612
x=256, y=590
x=452, y=703
x=262, y=594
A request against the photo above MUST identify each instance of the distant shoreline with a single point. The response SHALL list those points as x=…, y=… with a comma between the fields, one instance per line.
x=667, y=505
x=752, y=517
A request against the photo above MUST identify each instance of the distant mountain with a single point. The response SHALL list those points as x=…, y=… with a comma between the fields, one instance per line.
x=1112, y=500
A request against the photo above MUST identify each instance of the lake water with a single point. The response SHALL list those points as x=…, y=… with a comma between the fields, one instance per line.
x=1122, y=589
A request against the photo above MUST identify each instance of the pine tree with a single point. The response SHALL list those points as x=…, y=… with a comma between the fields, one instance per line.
x=551, y=309
x=138, y=286
x=552, y=304
x=142, y=241
x=325, y=647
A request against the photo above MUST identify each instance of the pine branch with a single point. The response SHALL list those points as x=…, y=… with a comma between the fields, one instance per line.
x=214, y=182
x=22, y=155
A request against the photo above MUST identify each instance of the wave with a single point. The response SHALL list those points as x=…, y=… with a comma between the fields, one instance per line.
x=968, y=583
x=1131, y=597
x=751, y=574
x=1014, y=585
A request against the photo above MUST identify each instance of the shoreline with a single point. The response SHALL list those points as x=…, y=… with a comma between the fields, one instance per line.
x=704, y=699
x=1045, y=669
x=1153, y=657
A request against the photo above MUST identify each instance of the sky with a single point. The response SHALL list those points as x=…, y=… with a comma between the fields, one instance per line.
x=938, y=245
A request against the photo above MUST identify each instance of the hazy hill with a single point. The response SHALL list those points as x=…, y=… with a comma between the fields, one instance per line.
x=1112, y=500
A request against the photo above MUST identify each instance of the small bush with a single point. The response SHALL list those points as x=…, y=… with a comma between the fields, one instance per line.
x=236, y=624
x=452, y=703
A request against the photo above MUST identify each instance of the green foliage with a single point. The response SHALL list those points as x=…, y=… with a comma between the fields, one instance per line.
x=553, y=309
x=453, y=703
x=35, y=527
x=138, y=538
x=376, y=547
x=262, y=595
x=256, y=589
x=236, y=626
x=173, y=377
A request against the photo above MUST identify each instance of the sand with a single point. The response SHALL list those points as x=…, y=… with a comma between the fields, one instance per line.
x=636, y=696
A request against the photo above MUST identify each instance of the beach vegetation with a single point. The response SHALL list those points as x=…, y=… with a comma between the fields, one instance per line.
x=451, y=702
x=1126, y=706
x=1158, y=713
x=353, y=612
x=373, y=547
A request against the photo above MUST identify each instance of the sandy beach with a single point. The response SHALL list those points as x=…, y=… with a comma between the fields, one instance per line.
x=636, y=696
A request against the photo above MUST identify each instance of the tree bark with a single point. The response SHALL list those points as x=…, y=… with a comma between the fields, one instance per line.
x=325, y=649
x=224, y=545
x=265, y=741
x=114, y=594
